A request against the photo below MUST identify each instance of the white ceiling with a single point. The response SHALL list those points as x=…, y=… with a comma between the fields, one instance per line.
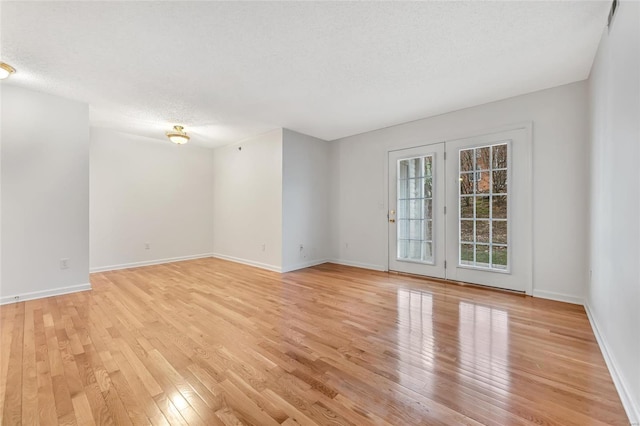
x=229, y=70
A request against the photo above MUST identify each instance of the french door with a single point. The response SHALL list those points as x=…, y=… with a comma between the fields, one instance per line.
x=416, y=210
x=461, y=210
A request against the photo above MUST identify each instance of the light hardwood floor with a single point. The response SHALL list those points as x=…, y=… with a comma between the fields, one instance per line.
x=213, y=342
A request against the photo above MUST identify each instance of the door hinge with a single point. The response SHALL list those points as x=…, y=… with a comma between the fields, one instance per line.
x=445, y=264
x=445, y=209
x=445, y=155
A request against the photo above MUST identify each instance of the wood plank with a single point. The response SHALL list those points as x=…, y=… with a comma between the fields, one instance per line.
x=82, y=410
x=29, y=369
x=12, y=386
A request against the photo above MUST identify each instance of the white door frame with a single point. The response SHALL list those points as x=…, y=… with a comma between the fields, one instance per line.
x=527, y=126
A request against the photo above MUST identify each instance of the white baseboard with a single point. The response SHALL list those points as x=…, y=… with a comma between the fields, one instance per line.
x=44, y=293
x=560, y=297
x=148, y=263
x=358, y=264
x=630, y=406
x=247, y=262
x=303, y=265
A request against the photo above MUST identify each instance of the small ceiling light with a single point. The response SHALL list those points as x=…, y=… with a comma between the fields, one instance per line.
x=178, y=135
x=6, y=70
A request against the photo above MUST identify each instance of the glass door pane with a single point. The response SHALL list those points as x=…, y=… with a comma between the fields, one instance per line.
x=415, y=209
x=483, y=199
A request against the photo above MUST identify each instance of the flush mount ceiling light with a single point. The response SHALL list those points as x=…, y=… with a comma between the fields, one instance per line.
x=178, y=135
x=6, y=70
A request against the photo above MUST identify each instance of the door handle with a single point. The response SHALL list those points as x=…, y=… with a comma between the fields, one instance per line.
x=392, y=220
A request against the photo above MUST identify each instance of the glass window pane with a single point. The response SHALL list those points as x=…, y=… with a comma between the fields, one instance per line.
x=428, y=163
x=428, y=230
x=413, y=168
x=466, y=160
x=500, y=182
x=415, y=209
x=482, y=231
x=499, y=257
x=466, y=183
x=500, y=156
x=414, y=188
x=403, y=229
x=466, y=230
x=403, y=249
x=428, y=187
x=499, y=207
x=403, y=209
x=482, y=207
x=409, y=209
x=428, y=253
x=482, y=255
x=403, y=169
x=482, y=182
x=466, y=207
x=466, y=254
x=415, y=250
x=403, y=189
x=483, y=156
x=428, y=209
x=499, y=235
x=415, y=229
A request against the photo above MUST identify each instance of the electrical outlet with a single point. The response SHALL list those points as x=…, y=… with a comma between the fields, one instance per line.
x=147, y=246
x=64, y=263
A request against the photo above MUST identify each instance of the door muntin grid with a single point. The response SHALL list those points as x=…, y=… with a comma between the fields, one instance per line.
x=483, y=218
x=414, y=240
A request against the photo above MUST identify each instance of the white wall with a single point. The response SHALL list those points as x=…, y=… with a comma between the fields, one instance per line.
x=305, y=201
x=247, y=213
x=45, y=194
x=613, y=295
x=560, y=192
x=148, y=191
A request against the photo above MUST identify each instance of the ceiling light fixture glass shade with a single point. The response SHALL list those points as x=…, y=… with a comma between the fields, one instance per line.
x=178, y=135
x=6, y=70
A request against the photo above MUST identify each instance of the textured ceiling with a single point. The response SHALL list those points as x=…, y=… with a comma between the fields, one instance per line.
x=228, y=70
